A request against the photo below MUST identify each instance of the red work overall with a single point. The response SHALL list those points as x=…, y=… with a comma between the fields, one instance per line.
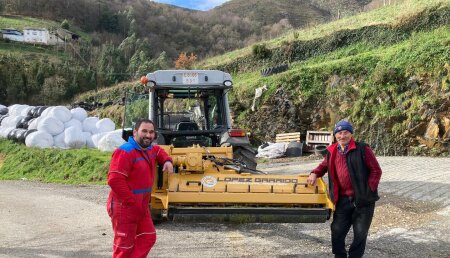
x=131, y=176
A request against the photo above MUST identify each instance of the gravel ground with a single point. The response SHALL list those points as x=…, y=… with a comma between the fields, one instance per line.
x=411, y=220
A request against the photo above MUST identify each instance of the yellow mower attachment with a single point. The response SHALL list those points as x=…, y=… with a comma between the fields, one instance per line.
x=209, y=186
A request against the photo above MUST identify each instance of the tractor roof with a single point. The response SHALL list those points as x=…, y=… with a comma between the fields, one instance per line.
x=185, y=79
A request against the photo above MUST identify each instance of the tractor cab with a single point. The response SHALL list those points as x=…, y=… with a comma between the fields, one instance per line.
x=189, y=107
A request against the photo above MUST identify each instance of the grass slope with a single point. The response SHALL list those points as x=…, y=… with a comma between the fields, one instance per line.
x=388, y=15
x=423, y=52
x=29, y=51
x=20, y=22
x=85, y=166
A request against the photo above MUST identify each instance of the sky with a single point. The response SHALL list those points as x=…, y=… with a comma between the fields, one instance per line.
x=202, y=5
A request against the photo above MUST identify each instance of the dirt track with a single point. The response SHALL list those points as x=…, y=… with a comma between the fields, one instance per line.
x=411, y=220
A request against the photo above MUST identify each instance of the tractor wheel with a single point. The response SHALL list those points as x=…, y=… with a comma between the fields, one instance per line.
x=246, y=156
x=156, y=216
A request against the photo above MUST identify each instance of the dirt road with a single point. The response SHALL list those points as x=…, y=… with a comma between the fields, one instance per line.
x=411, y=220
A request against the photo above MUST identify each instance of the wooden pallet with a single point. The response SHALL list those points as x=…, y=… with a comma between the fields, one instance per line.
x=315, y=138
x=288, y=137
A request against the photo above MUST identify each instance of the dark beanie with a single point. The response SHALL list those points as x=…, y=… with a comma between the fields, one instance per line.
x=343, y=125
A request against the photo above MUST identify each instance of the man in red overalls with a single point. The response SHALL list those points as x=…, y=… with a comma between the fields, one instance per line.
x=131, y=174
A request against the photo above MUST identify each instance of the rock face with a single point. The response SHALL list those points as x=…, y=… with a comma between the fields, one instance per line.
x=278, y=115
x=446, y=126
x=414, y=120
x=437, y=133
x=432, y=129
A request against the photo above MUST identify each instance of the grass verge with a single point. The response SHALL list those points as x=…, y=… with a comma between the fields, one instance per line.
x=83, y=166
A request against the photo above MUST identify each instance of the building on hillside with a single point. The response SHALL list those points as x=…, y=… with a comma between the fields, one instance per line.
x=40, y=36
x=67, y=35
x=54, y=39
x=12, y=34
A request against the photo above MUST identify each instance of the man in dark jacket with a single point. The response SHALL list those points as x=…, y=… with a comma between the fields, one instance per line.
x=354, y=174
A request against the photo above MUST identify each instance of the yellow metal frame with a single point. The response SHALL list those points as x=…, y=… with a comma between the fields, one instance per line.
x=200, y=181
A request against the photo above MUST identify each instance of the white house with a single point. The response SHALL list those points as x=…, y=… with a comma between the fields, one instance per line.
x=40, y=36
x=12, y=34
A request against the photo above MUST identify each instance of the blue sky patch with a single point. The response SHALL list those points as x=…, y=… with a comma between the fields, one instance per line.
x=202, y=5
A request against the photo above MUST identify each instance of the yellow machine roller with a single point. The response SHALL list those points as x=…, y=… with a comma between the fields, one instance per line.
x=208, y=185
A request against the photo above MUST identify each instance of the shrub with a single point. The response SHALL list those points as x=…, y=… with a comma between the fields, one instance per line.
x=260, y=51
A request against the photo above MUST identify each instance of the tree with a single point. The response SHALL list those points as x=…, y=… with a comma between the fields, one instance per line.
x=110, y=65
x=128, y=46
x=108, y=22
x=184, y=61
x=54, y=90
x=65, y=24
x=141, y=63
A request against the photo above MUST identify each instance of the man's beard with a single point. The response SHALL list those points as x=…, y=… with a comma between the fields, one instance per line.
x=143, y=144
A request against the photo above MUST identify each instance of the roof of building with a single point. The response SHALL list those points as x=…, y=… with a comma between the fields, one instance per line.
x=31, y=28
x=11, y=31
x=63, y=32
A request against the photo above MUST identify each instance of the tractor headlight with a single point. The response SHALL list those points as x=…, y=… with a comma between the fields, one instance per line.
x=227, y=83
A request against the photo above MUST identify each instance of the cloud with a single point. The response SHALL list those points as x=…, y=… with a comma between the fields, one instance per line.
x=203, y=5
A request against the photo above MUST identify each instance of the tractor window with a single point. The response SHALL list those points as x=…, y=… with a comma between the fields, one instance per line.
x=215, y=113
x=177, y=111
x=201, y=108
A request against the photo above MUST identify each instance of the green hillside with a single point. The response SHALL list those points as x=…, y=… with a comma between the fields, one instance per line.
x=121, y=40
x=390, y=78
x=389, y=15
x=18, y=22
x=386, y=70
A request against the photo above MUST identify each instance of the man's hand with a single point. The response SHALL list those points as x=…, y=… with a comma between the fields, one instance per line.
x=168, y=167
x=311, y=179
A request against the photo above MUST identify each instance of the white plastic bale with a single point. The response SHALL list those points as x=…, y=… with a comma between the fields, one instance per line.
x=105, y=125
x=51, y=125
x=29, y=122
x=89, y=142
x=5, y=122
x=96, y=138
x=39, y=139
x=12, y=109
x=79, y=113
x=11, y=121
x=4, y=131
x=16, y=109
x=73, y=123
x=46, y=112
x=34, y=123
x=25, y=110
x=74, y=138
x=1, y=106
x=58, y=141
x=110, y=142
x=60, y=112
x=89, y=124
